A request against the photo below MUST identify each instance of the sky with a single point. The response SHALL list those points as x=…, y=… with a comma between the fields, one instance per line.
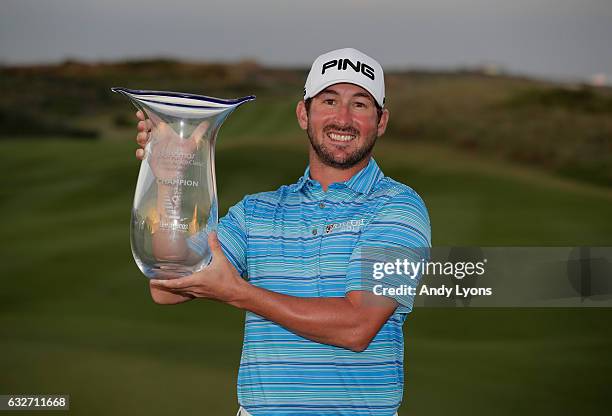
x=558, y=39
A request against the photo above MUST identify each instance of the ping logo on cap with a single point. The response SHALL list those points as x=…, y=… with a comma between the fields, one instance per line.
x=343, y=63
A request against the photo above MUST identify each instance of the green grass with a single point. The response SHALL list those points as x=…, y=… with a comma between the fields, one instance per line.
x=557, y=128
x=507, y=362
x=77, y=318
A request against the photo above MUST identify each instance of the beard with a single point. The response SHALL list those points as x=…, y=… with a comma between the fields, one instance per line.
x=343, y=162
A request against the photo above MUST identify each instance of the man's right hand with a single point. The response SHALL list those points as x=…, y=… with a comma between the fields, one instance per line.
x=144, y=127
x=162, y=161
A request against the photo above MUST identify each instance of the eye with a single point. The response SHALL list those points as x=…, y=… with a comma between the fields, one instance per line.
x=329, y=101
x=360, y=104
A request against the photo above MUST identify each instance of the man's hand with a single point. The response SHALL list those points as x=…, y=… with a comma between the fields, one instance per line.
x=162, y=161
x=219, y=280
x=143, y=127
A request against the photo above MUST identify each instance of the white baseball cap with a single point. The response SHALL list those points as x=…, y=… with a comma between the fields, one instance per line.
x=346, y=65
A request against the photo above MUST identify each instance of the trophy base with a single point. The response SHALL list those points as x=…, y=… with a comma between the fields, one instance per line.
x=167, y=270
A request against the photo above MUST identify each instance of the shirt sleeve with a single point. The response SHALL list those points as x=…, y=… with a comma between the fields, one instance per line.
x=232, y=234
x=386, y=258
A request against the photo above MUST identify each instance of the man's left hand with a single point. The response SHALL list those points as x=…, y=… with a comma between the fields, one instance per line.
x=219, y=280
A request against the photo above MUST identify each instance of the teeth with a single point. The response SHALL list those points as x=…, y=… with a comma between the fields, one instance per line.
x=341, y=137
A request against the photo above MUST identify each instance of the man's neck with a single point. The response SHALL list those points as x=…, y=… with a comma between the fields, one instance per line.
x=326, y=175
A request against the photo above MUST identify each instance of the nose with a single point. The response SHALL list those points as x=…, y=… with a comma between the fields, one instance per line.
x=343, y=115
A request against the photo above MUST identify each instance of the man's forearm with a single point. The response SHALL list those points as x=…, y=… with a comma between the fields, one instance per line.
x=328, y=320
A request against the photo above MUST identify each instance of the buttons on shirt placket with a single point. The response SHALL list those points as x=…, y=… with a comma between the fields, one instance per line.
x=322, y=219
x=315, y=193
x=321, y=205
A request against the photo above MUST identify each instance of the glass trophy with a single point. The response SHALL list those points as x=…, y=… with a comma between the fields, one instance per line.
x=175, y=204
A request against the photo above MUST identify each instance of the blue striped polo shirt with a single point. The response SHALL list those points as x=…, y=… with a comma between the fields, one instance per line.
x=302, y=241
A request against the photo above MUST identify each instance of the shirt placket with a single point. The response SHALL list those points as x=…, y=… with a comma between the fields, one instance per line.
x=319, y=221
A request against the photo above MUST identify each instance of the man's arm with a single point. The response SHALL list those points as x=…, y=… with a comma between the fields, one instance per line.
x=349, y=322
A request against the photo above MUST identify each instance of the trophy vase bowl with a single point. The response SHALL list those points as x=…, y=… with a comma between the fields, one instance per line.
x=175, y=203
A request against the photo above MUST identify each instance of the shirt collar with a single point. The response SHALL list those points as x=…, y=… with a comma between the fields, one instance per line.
x=362, y=182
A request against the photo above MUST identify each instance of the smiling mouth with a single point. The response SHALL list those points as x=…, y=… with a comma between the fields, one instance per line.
x=341, y=137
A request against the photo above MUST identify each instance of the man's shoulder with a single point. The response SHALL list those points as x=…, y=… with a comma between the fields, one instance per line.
x=260, y=203
x=268, y=197
x=401, y=216
x=393, y=191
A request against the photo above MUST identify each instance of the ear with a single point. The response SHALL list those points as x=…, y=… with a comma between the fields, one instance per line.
x=302, y=114
x=382, y=124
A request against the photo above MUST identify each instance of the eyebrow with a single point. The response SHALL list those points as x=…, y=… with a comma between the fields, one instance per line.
x=358, y=94
x=365, y=95
x=329, y=91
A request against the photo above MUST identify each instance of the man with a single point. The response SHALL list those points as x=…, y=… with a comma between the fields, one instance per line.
x=317, y=340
